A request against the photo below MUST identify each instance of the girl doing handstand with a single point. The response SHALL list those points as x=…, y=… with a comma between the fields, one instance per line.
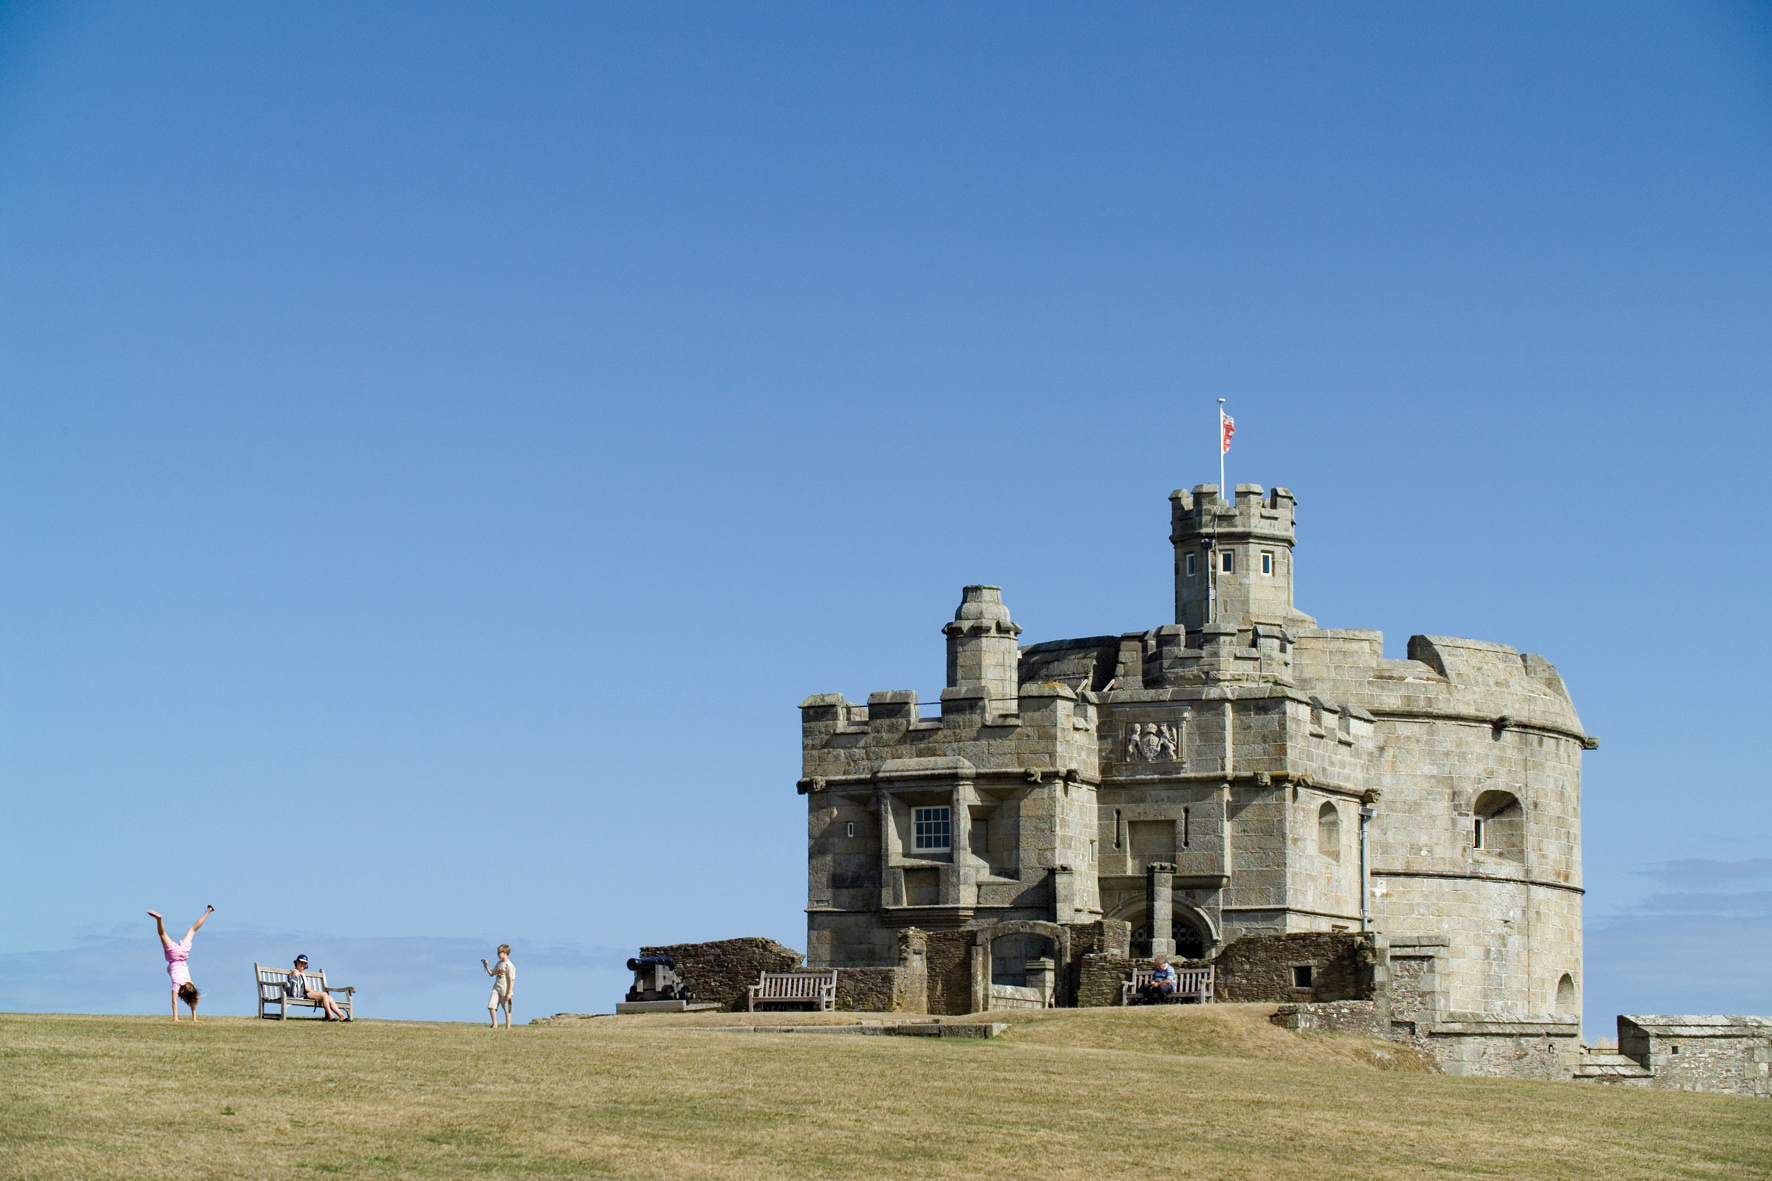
x=176, y=955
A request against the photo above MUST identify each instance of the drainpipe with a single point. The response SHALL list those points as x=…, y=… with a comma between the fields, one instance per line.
x=1367, y=812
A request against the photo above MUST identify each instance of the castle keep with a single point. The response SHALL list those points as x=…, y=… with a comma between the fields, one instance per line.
x=1237, y=772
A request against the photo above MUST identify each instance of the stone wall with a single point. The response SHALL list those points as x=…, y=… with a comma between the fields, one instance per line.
x=868, y=990
x=1732, y=1055
x=724, y=970
x=1262, y=967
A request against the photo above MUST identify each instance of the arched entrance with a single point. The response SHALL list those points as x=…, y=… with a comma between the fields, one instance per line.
x=1054, y=934
x=1192, y=929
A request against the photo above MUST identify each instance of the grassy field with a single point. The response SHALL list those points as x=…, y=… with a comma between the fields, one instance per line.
x=1171, y=1092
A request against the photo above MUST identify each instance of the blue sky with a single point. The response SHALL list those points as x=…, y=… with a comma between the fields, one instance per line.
x=439, y=446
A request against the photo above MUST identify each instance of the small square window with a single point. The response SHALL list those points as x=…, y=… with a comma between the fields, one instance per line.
x=1267, y=561
x=1228, y=561
x=1301, y=976
x=930, y=829
x=1190, y=565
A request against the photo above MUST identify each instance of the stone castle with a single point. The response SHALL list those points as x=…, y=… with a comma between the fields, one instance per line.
x=1239, y=773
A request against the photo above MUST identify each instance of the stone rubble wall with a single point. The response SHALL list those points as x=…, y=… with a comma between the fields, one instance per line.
x=1259, y=967
x=950, y=972
x=1100, y=978
x=868, y=990
x=724, y=970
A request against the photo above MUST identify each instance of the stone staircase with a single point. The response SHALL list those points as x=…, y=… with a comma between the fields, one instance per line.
x=1602, y=1066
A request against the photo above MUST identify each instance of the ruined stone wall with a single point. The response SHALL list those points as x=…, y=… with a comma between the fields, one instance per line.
x=950, y=972
x=868, y=990
x=724, y=970
x=1099, y=977
x=1261, y=967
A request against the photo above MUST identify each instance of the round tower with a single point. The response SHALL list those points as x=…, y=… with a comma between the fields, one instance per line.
x=1233, y=562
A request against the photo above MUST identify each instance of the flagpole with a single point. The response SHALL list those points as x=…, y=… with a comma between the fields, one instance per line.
x=1223, y=492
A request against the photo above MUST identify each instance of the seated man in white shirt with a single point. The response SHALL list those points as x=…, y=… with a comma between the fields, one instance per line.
x=1163, y=982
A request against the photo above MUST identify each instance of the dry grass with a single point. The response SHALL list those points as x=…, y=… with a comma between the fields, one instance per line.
x=1208, y=1092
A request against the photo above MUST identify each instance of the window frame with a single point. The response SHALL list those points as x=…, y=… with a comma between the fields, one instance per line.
x=921, y=816
x=1227, y=561
x=1267, y=563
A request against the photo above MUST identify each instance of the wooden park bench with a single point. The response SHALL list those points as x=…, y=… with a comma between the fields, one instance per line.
x=1193, y=985
x=818, y=989
x=272, y=994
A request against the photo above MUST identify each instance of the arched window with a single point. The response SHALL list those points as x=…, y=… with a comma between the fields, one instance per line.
x=1498, y=825
x=1566, y=994
x=1329, y=831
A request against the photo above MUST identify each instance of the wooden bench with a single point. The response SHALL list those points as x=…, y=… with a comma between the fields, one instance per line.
x=1191, y=985
x=273, y=995
x=818, y=989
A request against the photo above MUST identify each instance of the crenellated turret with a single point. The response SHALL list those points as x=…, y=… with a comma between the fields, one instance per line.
x=1233, y=562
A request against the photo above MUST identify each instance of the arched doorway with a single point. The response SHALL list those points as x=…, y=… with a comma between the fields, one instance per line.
x=1192, y=929
x=1001, y=954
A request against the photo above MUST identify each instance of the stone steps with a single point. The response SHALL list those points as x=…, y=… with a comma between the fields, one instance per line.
x=1603, y=1067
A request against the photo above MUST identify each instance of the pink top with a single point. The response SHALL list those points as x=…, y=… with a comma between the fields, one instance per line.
x=176, y=955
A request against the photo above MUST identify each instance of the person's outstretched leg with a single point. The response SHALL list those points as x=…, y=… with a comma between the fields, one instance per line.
x=165, y=940
x=492, y=1013
x=201, y=919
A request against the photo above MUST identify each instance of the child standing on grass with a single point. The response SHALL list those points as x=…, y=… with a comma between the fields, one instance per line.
x=504, y=984
x=176, y=956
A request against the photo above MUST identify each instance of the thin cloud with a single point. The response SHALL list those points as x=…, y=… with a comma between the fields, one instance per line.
x=1705, y=872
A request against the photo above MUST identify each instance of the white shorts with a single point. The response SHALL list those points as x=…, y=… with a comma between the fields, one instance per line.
x=498, y=997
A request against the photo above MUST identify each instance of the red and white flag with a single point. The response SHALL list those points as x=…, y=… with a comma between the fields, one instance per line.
x=1227, y=427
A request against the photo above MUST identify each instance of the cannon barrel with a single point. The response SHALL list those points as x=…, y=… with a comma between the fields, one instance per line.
x=647, y=961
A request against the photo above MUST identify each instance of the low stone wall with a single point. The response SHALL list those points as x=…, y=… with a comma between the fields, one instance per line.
x=1261, y=967
x=868, y=990
x=1471, y=1045
x=724, y=970
x=1361, y=1017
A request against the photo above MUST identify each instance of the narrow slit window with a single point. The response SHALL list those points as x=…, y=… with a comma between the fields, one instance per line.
x=1267, y=561
x=1228, y=561
x=1190, y=565
x=1185, y=834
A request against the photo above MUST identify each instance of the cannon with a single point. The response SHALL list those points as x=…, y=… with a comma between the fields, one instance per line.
x=655, y=979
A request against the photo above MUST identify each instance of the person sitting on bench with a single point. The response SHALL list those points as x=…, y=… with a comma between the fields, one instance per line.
x=297, y=989
x=1163, y=982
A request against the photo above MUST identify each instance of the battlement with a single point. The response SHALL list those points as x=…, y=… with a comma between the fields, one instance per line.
x=1203, y=513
